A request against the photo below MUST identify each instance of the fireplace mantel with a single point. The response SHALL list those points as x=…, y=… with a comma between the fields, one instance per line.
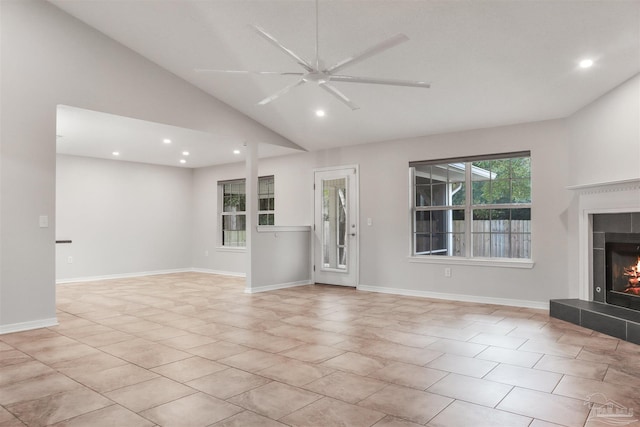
x=605, y=187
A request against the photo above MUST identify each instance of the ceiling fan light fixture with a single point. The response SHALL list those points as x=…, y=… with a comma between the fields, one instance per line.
x=315, y=72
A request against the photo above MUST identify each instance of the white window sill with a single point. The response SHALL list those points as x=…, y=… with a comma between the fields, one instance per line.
x=480, y=262
x=239, y=249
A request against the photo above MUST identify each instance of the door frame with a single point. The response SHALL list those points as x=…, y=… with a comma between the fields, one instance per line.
x=356, y=203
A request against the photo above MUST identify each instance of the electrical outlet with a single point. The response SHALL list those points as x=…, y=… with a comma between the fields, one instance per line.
x=70, y=260
x=447, y=272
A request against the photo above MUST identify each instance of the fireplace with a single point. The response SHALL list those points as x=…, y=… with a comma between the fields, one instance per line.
x=607, y=227
x=622, y=269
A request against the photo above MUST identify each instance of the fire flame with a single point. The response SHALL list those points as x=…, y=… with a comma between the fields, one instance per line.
x=633, y=272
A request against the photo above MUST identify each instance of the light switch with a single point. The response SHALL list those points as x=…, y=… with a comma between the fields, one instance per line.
x=44, y=221
x=369, y=221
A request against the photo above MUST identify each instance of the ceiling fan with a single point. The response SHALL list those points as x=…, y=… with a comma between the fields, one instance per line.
x=317, y=73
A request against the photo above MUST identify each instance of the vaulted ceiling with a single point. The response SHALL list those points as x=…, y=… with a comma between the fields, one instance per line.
x=489, y=63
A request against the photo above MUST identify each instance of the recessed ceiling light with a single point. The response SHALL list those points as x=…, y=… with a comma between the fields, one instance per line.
x=116, y=153
x=166, y=141
x=586, y=63
x=183, y=161
x=185, y=153
x=320, y=113
x=236, y=151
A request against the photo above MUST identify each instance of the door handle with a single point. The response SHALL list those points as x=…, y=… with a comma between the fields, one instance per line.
x=353, y=234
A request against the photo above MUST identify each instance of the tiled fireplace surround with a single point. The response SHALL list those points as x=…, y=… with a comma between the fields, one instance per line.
x=603, y=208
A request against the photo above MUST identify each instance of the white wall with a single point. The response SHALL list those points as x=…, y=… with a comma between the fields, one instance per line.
x=50, y=58
x=282, y=258
x=605, y=137
x=122, y=217
x=384, y=197
x=207, y=251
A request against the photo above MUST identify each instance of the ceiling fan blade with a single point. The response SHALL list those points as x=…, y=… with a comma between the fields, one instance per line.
x=281, y=92
x=304, y=64
x=373, y=50
x=376, y=81
x=279, y=73
x=335, y=92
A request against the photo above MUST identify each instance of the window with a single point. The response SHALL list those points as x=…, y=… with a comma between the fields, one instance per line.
x=472, y=207
x=266, y=201
x=233, y=213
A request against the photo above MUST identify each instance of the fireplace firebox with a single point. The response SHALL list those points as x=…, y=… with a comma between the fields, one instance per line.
x=622, y=258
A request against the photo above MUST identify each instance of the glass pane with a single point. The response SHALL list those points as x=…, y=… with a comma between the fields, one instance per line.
x=521, y=214
x=423, y=195
x=481, y=244
x=423, y=243
x=481, y=170
x=521, y=167
x=481, y=215
x=500, y=191
x=233, y=222
x=521, y=191
x=500, y=247
x=520, y=245
x=458, y=216
x=439, y=244
x=440, y=221
x=334, y=223
x=233, y=230
x=422, y=173
x=234, y=202
x=265, y=219
x=481, y=192
x=457, y=188
x=448, y=244
x=500, y=220
x=439, y=196
x=423, y=222
x=501, y=168
x=457, y=245
x=456, y=172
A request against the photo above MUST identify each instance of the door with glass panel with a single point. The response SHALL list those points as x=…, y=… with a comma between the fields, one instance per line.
x=336, y=227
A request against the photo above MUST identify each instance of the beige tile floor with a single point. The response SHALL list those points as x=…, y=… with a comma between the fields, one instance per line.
x=192, y=349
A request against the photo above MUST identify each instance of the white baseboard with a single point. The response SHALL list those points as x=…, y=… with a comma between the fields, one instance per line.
x=276, y=286
x=220, y=272
x=457, y=297
x=122, y=275
x=27, y=326
x=147, y=273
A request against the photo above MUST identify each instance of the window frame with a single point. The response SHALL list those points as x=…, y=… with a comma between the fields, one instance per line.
x=267, y=195
x=222, y=213
x=468, y=207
